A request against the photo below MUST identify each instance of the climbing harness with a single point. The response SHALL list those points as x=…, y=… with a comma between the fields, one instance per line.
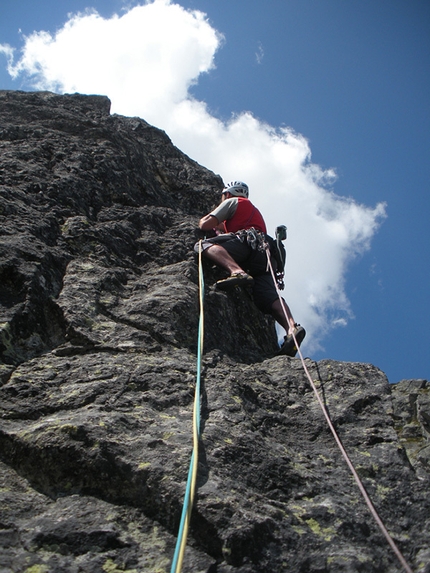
x=258, y=241
x=338, y=441
x=181, y=541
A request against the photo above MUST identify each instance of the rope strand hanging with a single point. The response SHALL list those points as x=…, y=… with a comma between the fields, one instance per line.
x=181, y=541
x=339, y=443
x=192, y=473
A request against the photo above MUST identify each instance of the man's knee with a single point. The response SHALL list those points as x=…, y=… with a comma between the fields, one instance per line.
x=203, y=245
x=213, y=250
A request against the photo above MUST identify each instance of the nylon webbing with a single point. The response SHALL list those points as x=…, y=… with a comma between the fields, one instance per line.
x=338, y=441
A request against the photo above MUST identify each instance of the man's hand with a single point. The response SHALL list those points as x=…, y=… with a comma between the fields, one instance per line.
x=208, y=222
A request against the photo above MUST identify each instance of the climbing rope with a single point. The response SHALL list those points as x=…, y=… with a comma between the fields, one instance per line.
x=187, y=507
x=192, y=473
x=336, y=437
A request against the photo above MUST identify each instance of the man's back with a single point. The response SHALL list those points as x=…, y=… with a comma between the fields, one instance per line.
x=239, y=213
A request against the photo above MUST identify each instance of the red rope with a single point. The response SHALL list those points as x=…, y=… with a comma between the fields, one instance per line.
x=338, y=441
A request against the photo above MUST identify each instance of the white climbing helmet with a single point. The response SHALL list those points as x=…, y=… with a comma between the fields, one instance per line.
x=237, y=189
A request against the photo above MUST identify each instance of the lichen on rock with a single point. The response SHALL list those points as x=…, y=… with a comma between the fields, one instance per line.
x=98, y=337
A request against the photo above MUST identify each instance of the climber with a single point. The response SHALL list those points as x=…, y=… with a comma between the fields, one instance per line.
x=239, y=228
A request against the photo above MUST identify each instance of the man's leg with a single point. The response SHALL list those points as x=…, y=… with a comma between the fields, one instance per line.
x=289, y=348
x=222, y=258
x=266, y=295
x=287, y=322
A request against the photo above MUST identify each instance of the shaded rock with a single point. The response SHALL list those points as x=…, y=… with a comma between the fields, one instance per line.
x=99, y=322
x=411, y=412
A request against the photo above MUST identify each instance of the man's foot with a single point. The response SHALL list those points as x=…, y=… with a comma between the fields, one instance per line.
x=289, y=347
x=235, y=279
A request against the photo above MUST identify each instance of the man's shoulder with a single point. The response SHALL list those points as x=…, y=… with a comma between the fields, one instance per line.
x=226, y=208
x=231, y=201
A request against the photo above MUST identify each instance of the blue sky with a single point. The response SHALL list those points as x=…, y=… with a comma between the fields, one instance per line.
x=332, y=86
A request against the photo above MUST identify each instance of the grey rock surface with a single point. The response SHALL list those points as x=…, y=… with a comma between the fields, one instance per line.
x=98, y=335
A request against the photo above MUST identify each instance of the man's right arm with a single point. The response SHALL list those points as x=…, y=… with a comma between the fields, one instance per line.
x=224, y=211
x=208, y=222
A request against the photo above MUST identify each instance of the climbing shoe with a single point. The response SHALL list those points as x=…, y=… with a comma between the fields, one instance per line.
x=289, y=347
x=236, y=279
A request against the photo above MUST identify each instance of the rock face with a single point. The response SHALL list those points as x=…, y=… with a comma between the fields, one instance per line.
x=98, y=335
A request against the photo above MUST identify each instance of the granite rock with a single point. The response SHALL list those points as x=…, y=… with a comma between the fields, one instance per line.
x=98, y=336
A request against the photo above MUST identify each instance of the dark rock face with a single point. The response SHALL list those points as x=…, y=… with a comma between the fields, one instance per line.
x=98, y=330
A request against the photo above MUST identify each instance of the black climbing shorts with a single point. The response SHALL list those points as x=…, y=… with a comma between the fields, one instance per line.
x=253, y=262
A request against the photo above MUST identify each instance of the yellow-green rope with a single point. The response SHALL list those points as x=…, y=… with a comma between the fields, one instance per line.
x=181, y=541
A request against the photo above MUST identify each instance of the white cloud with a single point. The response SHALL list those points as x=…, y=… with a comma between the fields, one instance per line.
x=8, y=51
x=145, y=61
x=259, y=54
